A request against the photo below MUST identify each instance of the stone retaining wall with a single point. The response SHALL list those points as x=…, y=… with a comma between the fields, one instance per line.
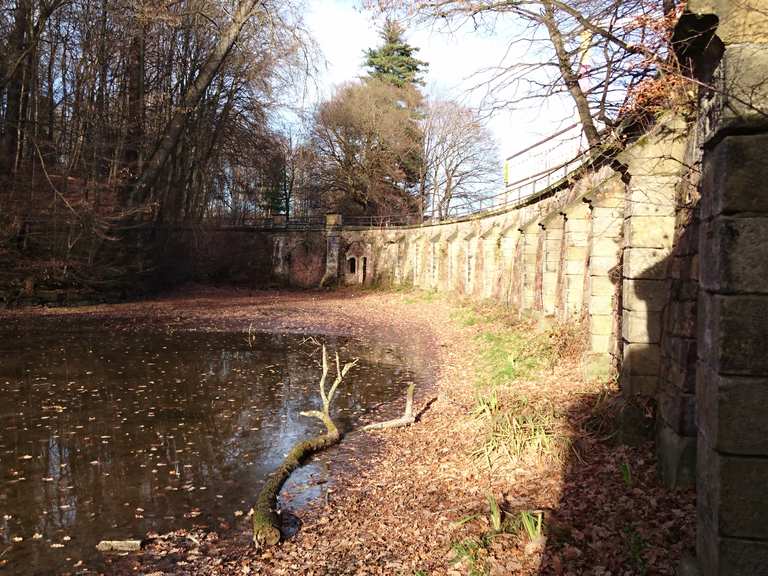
x=570, y=255
x=666, y=261
x=732, y=378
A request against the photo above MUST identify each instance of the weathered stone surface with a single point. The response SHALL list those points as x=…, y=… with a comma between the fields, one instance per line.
x=603, y=265
x=614, y=201
x=602, y=343
x=677, y=457
x=732, y=333
x=677, y=410
x=682, y=319
x=740, y=98
x=742, y=21
x=609, y=214
x=641, y=327
x=650, y=231
x=723, y=556
x=731, y=412
x=731, y=492
x=734, y=254
x=644, y=296
x=603, y=286
x=651, y=200
x=606, y=248
x=733, y=173
x=575, y=283
x=645, y=263
x=597, y=365
x=641, y=359
x=610, y=194
x=639, y=384
x=576, y=254
x=575, y=267
x=601, y=324
x=599, y=305
x=576, y=211
x=681, y=377
x=688, y=566
x=651, y=191
x=577, y=225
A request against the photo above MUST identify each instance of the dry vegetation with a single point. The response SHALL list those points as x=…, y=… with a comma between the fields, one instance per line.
x=513, y=469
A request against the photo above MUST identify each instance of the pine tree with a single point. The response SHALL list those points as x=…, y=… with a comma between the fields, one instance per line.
x=394, y=61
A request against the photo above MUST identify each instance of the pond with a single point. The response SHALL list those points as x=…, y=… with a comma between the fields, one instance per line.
x=111, y=434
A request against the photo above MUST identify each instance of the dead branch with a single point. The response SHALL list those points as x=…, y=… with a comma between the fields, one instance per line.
x=266, y=526
x=405, y=420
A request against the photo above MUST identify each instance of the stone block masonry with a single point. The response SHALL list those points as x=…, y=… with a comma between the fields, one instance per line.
x=732, y=330
x=663, y=255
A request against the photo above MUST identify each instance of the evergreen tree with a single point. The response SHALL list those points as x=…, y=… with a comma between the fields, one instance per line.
x=394, y=61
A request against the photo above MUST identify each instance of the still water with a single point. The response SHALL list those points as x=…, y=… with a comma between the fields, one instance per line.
x=111, y=434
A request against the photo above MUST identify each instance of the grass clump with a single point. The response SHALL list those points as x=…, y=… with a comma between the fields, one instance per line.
x=471, y=552
x=513, y=350
x=466, y=316
x=518, y=431
x=531, y=523
x=509, y=355
x=422, y=297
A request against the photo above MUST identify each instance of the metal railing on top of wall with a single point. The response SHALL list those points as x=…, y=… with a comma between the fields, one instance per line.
x=514, y=195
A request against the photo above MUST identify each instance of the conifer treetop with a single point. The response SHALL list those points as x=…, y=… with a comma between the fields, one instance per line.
x=394, y=61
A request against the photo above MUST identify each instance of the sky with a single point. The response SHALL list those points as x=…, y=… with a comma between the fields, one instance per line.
x=343, y=32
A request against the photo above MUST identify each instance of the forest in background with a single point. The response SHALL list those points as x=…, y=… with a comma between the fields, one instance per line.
x=122, y=122
x=125, y=124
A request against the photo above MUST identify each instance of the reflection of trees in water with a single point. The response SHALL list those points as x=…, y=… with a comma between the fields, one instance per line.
x=120, y=422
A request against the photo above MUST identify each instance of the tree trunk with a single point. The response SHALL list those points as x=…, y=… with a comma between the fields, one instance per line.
x=135, y=131
x=570, y=78
x=14, y=87
x=266, y=528
x=143, y=186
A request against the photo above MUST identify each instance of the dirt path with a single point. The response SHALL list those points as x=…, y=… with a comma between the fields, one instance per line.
x=418, y=504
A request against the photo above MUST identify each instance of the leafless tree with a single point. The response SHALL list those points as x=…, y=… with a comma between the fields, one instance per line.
x=594, y=51
x=460, y=163
x=111, y=109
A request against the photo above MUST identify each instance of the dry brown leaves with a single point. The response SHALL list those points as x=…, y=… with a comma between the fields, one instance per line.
x=402, y=497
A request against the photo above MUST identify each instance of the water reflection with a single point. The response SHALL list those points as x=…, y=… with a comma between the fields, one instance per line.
x=109, y=435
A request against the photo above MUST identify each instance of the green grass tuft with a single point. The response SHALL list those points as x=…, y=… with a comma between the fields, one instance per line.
x=470, y=552
x=518, y=432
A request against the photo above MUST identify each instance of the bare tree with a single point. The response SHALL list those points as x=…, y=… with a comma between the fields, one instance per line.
x=460, y=162
x=594, y=51
x=114, y=108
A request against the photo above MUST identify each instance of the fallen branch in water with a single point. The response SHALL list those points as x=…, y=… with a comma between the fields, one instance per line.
x=119, y=546
x=405, y=420
x=266, y=525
